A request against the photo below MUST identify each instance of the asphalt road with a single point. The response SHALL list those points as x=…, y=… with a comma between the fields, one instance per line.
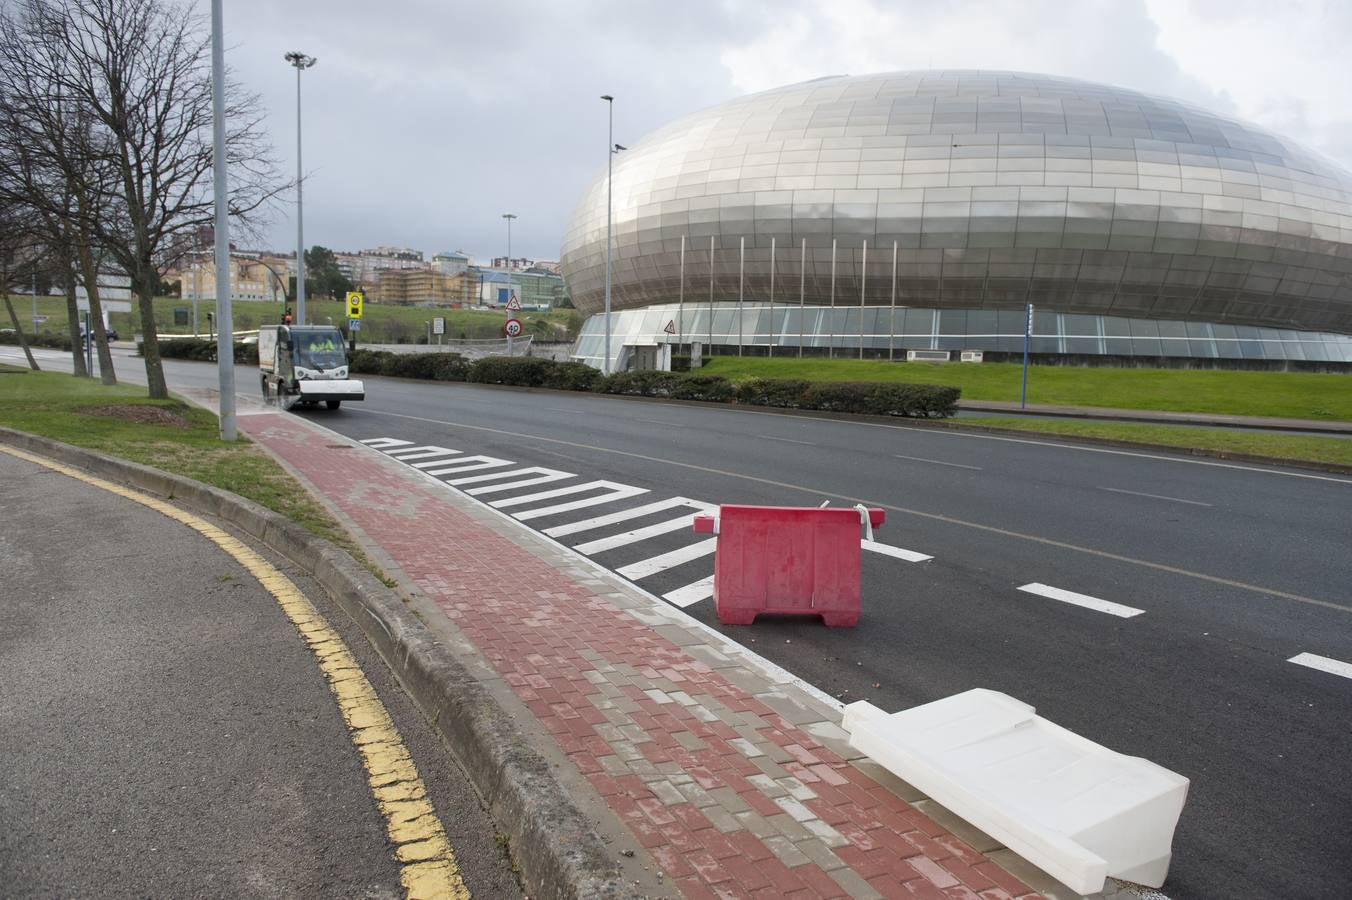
x=1234, y=569
x=165, y=731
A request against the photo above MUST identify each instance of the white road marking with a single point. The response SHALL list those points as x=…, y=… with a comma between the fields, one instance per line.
x=426, y=451
x=385, y=443
x=654, y=422
x=470, y=464
x=613, y=492
x=1323, y=664
x=542, y=476
x=1155, y=496
x=692, y=593
x=898, y=552
x=622, y=516
x=654, y=564
x=771, y=437
x=435, y=462
x=640, y=534
x=1094, y=603
x=937, y=462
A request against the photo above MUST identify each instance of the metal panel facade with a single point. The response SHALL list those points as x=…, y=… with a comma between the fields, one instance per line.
x=995, y=189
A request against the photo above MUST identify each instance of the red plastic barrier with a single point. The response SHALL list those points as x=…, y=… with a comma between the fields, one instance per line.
x=786, y=559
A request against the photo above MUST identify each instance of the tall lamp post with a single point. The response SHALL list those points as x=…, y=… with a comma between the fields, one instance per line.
x=509, y=217
x=610, y=171
x=301, y=62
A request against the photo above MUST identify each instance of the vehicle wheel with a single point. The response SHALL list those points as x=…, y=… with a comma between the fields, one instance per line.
x=267, y=395
x=285, y=399
x=333, y=404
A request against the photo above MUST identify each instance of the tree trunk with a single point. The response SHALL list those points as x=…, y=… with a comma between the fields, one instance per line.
x=100, y=334
x=73, y=315
x=150, y=345
x=18, y=329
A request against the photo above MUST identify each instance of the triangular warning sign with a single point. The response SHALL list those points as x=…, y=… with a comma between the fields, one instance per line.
x=671, y=326
x=514, y=304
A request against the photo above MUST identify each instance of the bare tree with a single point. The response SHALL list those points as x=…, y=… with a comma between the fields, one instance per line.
x=131, y=80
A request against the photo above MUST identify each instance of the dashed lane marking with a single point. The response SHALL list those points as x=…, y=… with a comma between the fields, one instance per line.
x=1323, y=664
x=427, y=862
x=936, y=462
x=1155, y=496
x=1084, y=600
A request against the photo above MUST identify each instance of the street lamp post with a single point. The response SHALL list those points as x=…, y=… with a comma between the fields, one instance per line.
x=301, y=62
x=610, y=171
x=509, y=217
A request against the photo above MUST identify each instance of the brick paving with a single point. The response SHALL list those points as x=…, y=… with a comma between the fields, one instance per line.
x=735, y=783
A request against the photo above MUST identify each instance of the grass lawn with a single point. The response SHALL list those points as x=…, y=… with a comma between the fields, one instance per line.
x=167, y=434
x=380, y=323
x=1260, y=443
x=1297, y=395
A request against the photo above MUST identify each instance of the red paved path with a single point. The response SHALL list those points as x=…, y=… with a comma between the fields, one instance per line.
x=730, y=797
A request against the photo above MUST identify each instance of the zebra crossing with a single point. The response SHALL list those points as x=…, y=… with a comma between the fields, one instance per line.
x=525, y=493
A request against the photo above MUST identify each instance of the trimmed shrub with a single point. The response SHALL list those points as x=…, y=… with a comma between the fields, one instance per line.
x=710, y=388
x=915, y=400
x=782, y=392
x=202, y=350
x=574, y=376
x=42, y=339
x=641, y=383
x=522, y=371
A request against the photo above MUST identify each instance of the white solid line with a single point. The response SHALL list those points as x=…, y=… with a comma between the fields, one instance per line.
x=616, y=492
x=623, y=515
x=1155, y=496
x=600, y=545
x=545, y=477
x=384, y=443
x=469, y=464
x=651, y=566
x=1094, y=603
x=1323, y=664
x=426, y=451
x=889, y=550
x=937, y=462
x=692, y=593
x=556, y=492
x=771, y=437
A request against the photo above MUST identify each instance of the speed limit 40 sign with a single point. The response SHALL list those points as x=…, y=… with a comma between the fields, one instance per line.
x=512, y=328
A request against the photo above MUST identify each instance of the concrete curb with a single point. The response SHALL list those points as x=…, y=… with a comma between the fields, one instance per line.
x=560, y=852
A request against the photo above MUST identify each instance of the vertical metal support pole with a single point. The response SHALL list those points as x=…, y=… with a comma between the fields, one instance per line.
x=741, y=286
x=225, y=341
x=711, y=295
x=300, y=220
x=680, y=301
x=1027, y=336
x=831, y=340
x=610, y=174
x=863, y=280
x=34, y=323
x=771, y=350
x=196, y=289
x=89, y=341
x=802, y=293
x=892, y=325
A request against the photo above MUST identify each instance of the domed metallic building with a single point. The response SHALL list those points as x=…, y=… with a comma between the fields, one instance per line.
x=915, y=210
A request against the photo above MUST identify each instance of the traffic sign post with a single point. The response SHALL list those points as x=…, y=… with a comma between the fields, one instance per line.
x=354, y=303
x=513, y=304
x=512, y=328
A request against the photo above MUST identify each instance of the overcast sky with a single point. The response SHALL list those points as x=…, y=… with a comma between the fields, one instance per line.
x=426, y=120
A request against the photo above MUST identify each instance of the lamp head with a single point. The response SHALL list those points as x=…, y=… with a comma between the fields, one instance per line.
x=619, y=147
x=607, y=98
x=300, y=60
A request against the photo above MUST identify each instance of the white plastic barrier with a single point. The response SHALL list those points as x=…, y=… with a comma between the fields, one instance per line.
x=1076, y=810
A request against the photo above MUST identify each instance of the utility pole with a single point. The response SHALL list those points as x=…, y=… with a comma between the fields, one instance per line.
x=225, y=341
x=509, y=217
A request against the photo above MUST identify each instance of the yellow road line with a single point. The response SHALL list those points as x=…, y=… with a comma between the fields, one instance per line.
x=427, y=861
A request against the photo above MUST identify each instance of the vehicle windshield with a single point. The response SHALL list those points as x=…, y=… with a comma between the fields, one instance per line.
x=319, y=351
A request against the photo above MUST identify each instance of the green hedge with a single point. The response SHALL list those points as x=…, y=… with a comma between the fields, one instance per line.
x=204, y=351
x=42, y=339
x=872, y=398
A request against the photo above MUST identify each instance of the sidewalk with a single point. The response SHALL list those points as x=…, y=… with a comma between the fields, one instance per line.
x=734, y=779
x=1270, y=423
